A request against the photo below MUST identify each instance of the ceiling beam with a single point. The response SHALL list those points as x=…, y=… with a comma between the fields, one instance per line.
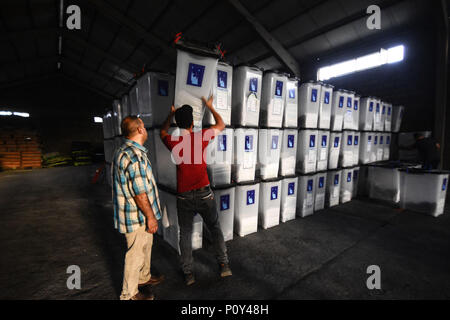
x=87, y=86
x=330, y=27
x=274, y=45
x=117, y=16
x=91, y=72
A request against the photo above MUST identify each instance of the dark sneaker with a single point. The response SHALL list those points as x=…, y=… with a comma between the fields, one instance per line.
x=144, y=296
x=225, y=270
x=189, y=279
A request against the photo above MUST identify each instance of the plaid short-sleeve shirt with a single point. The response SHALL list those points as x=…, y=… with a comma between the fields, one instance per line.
x=132, y=175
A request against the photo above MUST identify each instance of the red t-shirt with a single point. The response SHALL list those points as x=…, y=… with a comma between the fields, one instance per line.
x=189, y=154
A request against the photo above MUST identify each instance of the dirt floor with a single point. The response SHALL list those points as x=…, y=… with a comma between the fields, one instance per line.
x=54, y=218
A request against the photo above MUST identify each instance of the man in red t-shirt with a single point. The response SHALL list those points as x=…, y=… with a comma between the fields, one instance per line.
x=194, y=193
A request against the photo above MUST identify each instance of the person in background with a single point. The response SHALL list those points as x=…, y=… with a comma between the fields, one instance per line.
x=428, y=149
x=194, y=192
x=136, y=209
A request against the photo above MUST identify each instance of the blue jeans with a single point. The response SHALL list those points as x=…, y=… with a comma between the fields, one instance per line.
x=199, y=201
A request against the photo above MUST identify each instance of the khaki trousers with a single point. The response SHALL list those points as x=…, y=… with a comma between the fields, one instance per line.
x=137, y=262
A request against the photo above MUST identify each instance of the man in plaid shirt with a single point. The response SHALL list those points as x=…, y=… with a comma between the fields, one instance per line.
x=136, y=209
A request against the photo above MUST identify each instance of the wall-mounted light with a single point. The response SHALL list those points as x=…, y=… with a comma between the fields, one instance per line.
x=374, y=60
x=98, y=120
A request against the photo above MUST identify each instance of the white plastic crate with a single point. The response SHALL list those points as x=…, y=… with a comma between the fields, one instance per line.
x=424, y=191
x=326, y=101
x=384, y=182
x=308, y=104
x=347, y=148
x=288, y=156
x=388, y=118
x=366, y=113
x=337, y=110
x=222, y=90
x=165, y=163
x=273, y=99
x=356, y=111
x=307, y=151
x=348, y=123
x=397, y=117
x=290, y=117
x=366, y=148
x=289, y=186
x=269, y=203
x=346, y=193
x=322, y=150
x=356, y=171
x=306, y=195
x=356, y=146
x=334, y=149
x=133, y=100
x=269, y=148
x=220, y=158
x=377, y=123
x=333, y=188
x=245, y=154
x=224, y=197
x=321, y=187
x=125, y=106
x=117, y=117
x=194, y=80
x=246, y=208
x=246, y=96
x=380, y=146
x=386, y=146
x=162, y=91
x=151, y=150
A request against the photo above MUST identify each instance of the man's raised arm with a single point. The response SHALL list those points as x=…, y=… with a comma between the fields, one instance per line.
x=166, y=125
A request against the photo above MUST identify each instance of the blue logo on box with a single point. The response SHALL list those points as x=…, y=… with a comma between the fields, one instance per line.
x=310, y=185
x=327, y=97
x=274, y=193
x=250, y=197
x=195, y=74
x=224, y=202
x=350, y=140
x=376, y=140
x=384, y=109
x=274, y=142
x=336, y=142
x=312, y=141
x=371, y=107
x=291, y=93
x=349, y=102
x=324, y=141
x=356, y=104
x=223, y=143
x=388, y=140
x=381, y=140
x=444, y=184
x=369, y=138
x=291, y=141
x=336, y=179
x=378, y=108
x=321, y=182
x=248, y=143
x=163, y=88
x=389, y=111
x=253, y=85
x=356, y=140
x=279, y=88
x=291, y=188
x=314, y=95
x=349, y=177
x=355, y=174
x=341, y=102
x=222, y=79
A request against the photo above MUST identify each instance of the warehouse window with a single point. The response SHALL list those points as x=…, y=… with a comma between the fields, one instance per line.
x=391, y=55
x=98, y=120
x=13, y=113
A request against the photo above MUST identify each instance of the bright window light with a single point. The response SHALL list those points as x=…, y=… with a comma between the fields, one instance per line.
x=5, y=113
x=370, y=61
x=98, y=120
x=22, y=114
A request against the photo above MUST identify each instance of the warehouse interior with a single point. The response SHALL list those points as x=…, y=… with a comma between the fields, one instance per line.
x=60, y=213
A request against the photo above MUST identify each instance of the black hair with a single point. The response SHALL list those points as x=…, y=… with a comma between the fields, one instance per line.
x=183, y=117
